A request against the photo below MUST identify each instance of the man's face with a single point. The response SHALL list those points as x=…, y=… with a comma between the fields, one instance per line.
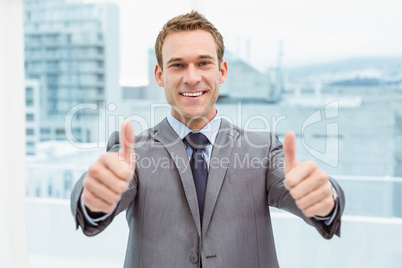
x=191, y=76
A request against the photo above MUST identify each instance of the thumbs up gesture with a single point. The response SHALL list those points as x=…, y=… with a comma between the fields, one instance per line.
x=110, y=175
x=306, y=182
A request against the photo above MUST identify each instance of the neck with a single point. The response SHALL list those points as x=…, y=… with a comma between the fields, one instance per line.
x=196, y=123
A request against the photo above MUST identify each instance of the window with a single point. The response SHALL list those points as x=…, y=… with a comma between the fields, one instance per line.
x=53, y=105
x=29, y=92
x=60, y=131
x=52, y=38
x=29, y=103
x=76, y=132
x=29, y=117
x=52, y=79
x=30, y=144
x=45, y=131
x=68, y=183
x=50, y=189
x=293, y=80
x=52, y=91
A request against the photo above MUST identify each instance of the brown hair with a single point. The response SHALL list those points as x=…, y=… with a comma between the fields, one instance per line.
x=188, y=22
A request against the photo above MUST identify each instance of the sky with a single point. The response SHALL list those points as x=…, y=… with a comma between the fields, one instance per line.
x=311, y=31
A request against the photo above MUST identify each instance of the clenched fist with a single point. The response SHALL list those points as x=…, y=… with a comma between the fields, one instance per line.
x=306, y=182
x=110, y=175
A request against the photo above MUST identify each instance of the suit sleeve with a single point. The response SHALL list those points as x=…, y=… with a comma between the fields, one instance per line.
x=127, y=198
x=279, y=197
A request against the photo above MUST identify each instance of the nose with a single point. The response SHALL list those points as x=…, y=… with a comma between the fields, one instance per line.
x=192, y=76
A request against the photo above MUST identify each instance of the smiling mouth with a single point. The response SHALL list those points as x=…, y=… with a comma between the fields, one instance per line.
x=192, y=94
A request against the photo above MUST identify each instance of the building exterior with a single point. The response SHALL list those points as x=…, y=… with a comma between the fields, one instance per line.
x=72, y=49
x=244, y=82
x=56, y=166
x=32, y=116
x=153, y=91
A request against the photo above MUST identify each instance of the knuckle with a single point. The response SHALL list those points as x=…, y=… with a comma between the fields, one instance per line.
x=299, y=204
x=108, y=208
x=87, y=183
x=322, y=179
x=312, y=165
x=289, y=182
x=123, y=173
x=121, y=187
x=328, y=203
x=114, y=199
x=328, y=191
x=93, y=170
x=306, y=212
x=86, y=198
x=323, y=174
x=131, y=175
x=126, y=174
x=107, y=158
x=104, y=158
x=118, y=197
x=293, y=193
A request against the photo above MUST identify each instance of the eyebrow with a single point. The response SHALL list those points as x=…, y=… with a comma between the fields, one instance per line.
x=180, y=59
x=174, y=59
x=205, y=57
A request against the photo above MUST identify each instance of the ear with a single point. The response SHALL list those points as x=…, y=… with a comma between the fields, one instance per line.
x=223, y=72
x=158, y=75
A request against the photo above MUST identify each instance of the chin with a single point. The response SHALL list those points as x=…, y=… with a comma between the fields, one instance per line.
x=193, y=116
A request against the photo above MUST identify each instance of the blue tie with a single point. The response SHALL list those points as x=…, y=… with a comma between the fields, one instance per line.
x=198, y=142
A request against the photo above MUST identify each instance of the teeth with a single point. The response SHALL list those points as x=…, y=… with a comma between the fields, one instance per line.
x=192, y=94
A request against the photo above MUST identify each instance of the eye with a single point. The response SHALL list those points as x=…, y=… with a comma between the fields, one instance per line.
x=204, y=63
x=176, y=65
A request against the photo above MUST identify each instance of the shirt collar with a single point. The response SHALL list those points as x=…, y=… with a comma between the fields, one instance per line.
x=210, y=130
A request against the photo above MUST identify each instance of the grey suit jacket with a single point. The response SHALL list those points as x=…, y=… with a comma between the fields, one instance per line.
x=245, y=178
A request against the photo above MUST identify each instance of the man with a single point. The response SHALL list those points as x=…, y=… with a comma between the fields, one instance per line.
x=201, y=203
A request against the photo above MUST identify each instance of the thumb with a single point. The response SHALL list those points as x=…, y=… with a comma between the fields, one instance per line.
x=289, y=149
x=126, y=151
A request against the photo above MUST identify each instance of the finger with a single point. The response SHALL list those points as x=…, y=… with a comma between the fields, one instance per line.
x=314, y=197
x=105, y=176
x=289, y=150
x=126, y=151
x=317, y=180
x=299, y=173
x=119, y=169
x=321, y=209
x=95, y=204
x=101, y=191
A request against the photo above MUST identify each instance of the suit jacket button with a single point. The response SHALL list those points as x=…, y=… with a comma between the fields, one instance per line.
x=194, y=258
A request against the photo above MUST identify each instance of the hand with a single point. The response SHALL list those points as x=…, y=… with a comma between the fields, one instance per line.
x=306, y=182
x=110, y=175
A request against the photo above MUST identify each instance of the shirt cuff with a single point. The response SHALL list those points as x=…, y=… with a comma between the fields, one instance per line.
x=91, y=220
x=330, y=218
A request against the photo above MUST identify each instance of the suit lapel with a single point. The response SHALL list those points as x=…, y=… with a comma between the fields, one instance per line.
x=168, y=137
x=224, y=145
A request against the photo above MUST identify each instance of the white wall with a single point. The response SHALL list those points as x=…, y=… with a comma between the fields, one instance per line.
x=12, y=137
x=366, y=242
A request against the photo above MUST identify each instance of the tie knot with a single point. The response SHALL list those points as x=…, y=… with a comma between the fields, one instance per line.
x=197, y=140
